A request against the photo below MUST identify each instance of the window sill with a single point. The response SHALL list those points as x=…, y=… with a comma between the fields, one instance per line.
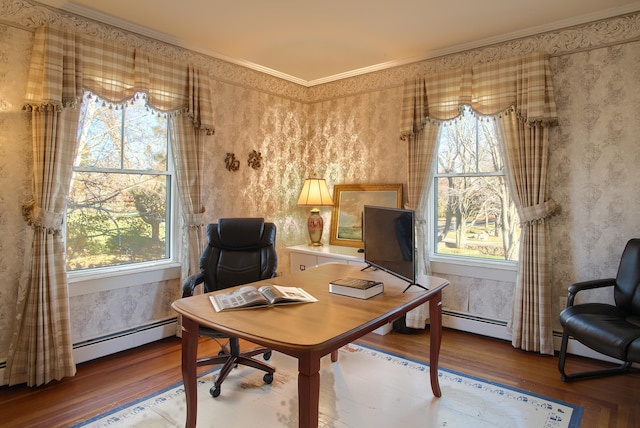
x=81, y=283
x=496, y=271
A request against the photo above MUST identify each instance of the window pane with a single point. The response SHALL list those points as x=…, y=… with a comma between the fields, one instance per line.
x=116, y=218
x=456, y=150
x=475, y=218
x=489, y=157
x=468, y=145
x=475, y=214
x=119, y=203
x=99, y=135
x=145, y=137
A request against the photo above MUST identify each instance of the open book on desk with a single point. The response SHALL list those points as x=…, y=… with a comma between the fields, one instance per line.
x=249, y=297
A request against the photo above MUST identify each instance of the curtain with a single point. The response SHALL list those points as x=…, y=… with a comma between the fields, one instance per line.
x=520, y=92
x=188, y=147
x=526, y=156
x=421, y=136
x=41, y=349
x=63, y=64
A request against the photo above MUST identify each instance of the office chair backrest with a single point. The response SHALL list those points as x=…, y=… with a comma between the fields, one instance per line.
x=627, y=289
x=240, y=250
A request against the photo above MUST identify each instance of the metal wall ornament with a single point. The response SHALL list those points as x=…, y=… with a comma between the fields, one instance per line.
x=232, y=164
x=255, y=159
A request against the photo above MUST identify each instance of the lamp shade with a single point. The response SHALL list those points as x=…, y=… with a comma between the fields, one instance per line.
x=315, y=193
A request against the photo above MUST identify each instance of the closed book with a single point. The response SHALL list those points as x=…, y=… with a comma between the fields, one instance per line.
x=356, y=287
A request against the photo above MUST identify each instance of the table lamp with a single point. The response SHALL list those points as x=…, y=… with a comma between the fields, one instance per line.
x=315, y=193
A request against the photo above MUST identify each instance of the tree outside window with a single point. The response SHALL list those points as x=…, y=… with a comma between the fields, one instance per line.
x=475, y=214
x=119, y=201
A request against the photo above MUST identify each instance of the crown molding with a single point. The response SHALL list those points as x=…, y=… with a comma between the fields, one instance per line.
x=553, y=26
x=619, y=25
x=86, y=12
x=157, y=35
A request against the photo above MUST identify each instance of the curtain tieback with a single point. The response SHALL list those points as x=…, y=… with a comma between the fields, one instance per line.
x=538, y=212
x=193, y=220
x=38, y=217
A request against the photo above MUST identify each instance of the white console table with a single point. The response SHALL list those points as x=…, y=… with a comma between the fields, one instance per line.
x=303, y=257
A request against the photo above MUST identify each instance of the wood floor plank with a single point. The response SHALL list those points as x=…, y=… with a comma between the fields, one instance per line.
x=112, y=381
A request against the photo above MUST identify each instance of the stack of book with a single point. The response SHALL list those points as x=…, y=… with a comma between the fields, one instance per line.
x=356, y=287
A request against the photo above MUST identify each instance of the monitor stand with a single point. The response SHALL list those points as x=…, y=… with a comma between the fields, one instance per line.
x=417, y=285
x=408, y=286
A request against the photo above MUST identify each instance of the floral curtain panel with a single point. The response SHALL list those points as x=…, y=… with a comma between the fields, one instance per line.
x=518, y=90
x=64, y=64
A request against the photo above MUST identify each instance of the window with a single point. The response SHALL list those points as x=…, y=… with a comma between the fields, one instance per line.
x=476, y=217
x=119, y=206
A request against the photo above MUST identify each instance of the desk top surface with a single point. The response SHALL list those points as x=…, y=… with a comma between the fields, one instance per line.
x=320, y=326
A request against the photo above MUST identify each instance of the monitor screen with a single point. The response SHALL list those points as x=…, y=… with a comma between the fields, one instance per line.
x=389, y=240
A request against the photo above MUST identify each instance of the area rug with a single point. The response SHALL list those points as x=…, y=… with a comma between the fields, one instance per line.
x=366, y=388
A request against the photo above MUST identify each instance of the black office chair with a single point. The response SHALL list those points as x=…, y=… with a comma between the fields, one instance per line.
x=240, y=250
x=612, y=330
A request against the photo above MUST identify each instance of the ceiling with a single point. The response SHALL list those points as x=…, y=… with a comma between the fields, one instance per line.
x=316, y=42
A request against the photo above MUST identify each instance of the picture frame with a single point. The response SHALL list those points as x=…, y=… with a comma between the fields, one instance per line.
x=349, y=201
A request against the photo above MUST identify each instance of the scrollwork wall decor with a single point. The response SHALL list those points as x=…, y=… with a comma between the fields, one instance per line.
x=255, y=159
x=232, y=163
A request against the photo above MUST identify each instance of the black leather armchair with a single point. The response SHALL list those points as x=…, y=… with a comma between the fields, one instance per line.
x=612, y=330
x=240, y=250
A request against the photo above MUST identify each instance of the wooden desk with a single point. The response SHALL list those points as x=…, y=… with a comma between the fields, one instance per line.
x=310, y=331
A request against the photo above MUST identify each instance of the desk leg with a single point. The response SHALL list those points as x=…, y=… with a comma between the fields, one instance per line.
x=308, y=391
x=435, y=333
x=189, y=355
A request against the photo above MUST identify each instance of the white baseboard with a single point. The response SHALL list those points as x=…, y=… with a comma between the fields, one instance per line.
x=101, y=347
x=498, y=330
x=576, y=348
x=476, y=325
x=121, y=341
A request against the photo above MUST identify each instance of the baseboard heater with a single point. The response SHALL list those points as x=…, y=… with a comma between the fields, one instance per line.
x=123, y=340
x=498, y=329
x=475, y=324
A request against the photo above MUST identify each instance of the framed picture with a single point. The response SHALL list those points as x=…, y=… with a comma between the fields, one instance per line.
x=349, y=201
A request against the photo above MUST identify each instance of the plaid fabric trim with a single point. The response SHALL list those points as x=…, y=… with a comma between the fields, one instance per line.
x=64, y=63
x=523, y=83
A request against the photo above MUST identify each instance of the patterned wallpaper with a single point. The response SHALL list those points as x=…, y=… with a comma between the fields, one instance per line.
x=594, y=162
x=15, y=170
x=347, y=132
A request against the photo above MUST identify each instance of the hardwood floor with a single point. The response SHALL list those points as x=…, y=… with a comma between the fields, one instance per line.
x=115, y=380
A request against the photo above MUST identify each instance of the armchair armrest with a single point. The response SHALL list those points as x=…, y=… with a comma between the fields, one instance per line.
x=190, y=284
x=588, y=285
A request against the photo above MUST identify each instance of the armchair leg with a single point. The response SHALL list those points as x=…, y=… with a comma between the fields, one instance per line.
x=624, y=368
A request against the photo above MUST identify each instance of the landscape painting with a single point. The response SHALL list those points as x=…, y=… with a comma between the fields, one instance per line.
x=349, y=200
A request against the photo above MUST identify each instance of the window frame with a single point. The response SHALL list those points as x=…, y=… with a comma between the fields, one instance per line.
x=91, y=280
x=447, y=263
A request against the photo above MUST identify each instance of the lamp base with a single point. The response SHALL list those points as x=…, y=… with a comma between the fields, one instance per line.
x=315, y=224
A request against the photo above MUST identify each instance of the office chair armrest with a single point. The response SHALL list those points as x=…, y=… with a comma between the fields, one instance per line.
x=190, y=284
x=588, y=285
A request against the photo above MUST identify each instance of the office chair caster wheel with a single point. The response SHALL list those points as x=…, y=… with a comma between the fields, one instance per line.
x=214, y=391
x=266, y=355
x=267, y=378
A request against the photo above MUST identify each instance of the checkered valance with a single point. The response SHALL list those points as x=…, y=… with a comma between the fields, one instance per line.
x=522, y=84
x=64, y=63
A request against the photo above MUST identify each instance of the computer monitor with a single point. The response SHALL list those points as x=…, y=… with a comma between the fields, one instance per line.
x=389, y=241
